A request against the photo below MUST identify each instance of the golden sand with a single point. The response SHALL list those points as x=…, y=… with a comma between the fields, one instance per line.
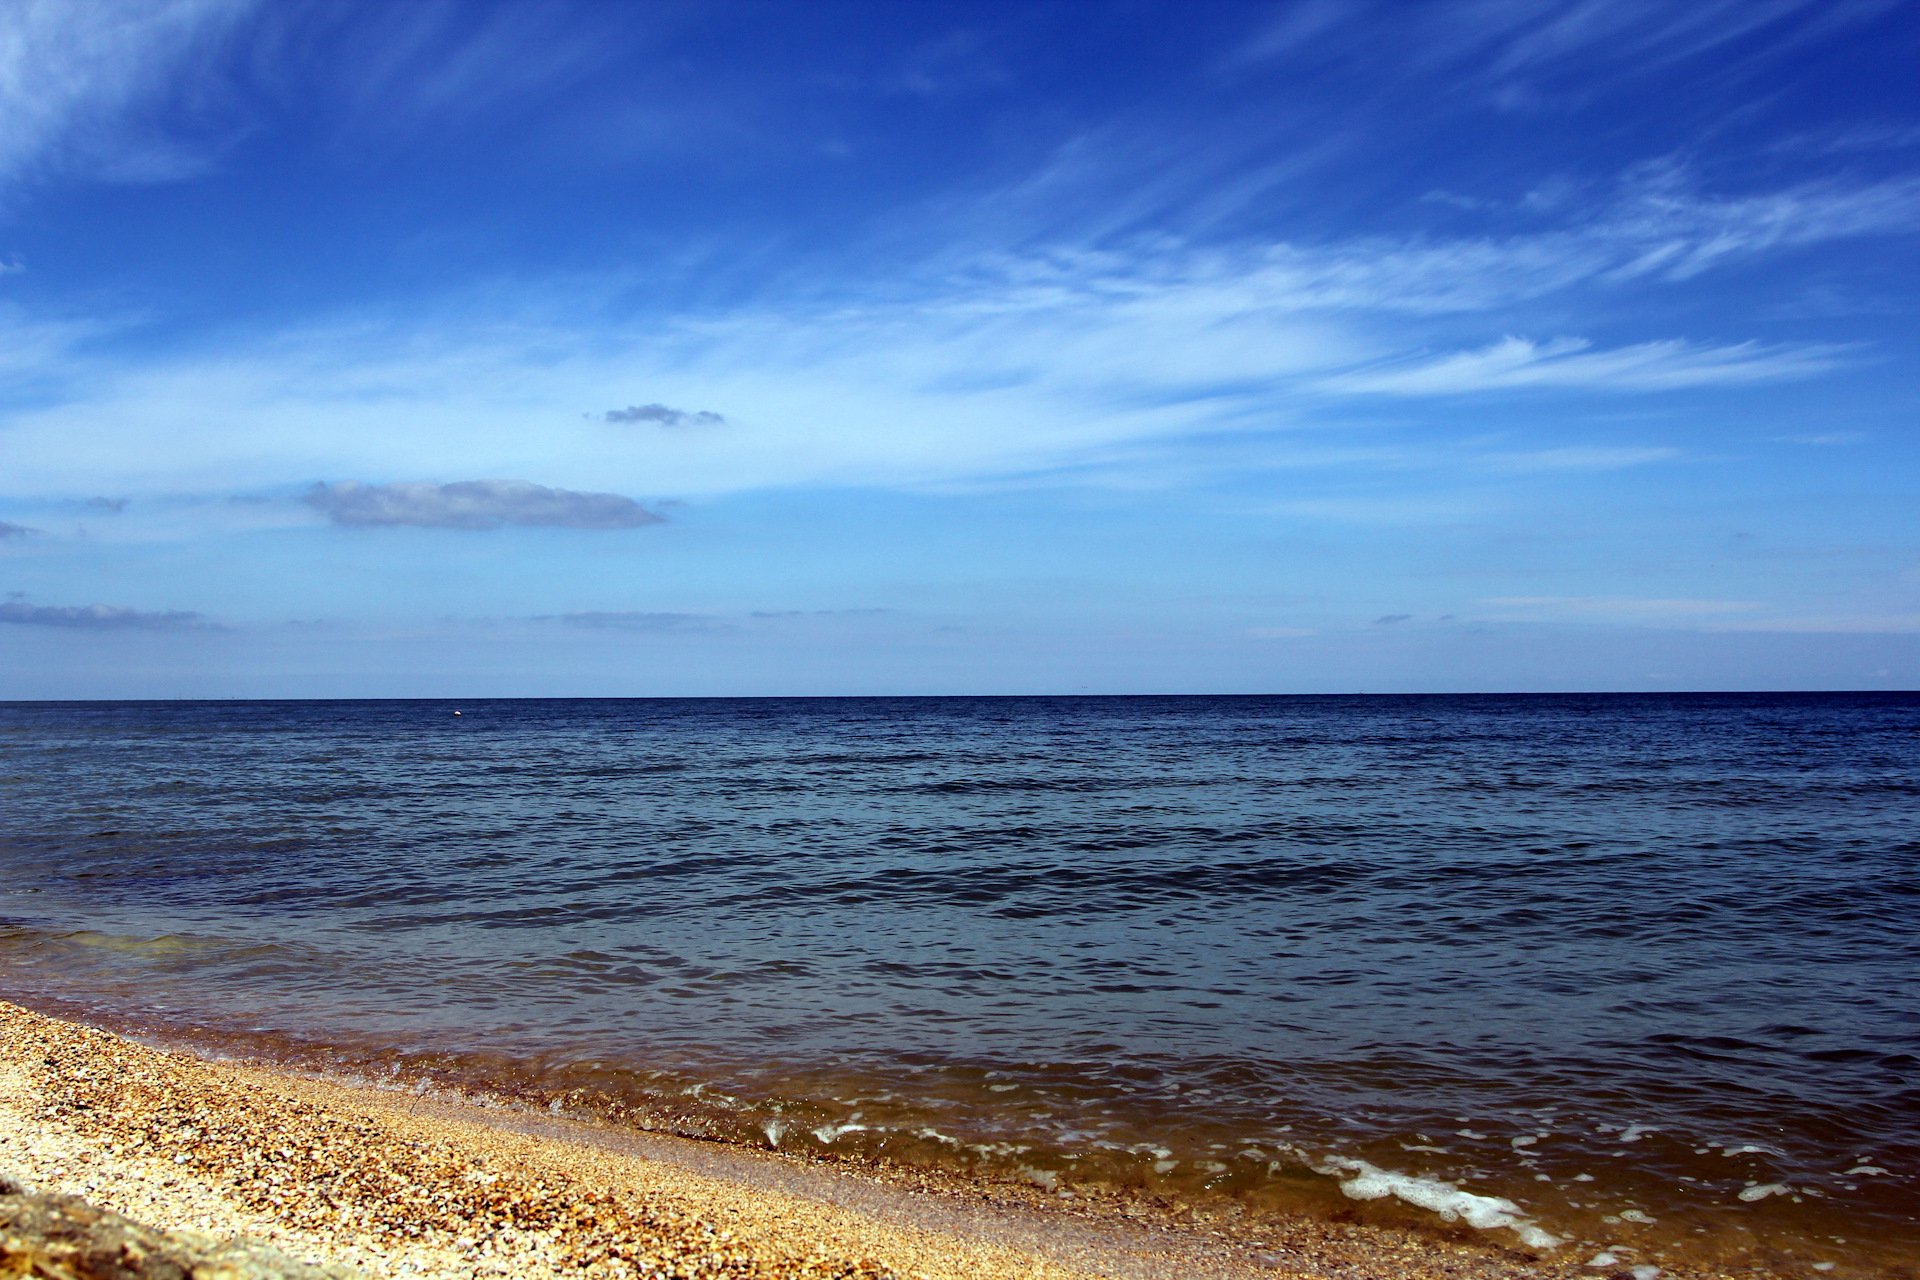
x=398, y=1184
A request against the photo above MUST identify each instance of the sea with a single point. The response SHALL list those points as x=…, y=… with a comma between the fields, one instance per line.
x=1628, y=977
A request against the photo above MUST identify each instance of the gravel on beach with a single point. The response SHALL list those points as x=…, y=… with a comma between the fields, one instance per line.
x=390, y=1183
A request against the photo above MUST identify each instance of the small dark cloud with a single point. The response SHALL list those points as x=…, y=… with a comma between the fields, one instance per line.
x=114, y=505
x=1389, y=619
x=100, y=617
x=14, y=530
x=666, y=416
x=475, y=504
x=631, y=620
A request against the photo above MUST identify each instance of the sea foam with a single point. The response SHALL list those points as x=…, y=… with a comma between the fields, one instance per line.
x=1362, y=1181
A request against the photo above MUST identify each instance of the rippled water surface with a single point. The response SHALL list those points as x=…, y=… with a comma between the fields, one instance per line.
x=1646, y=969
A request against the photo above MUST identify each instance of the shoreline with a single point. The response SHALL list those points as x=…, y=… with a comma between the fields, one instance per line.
x=414, y=1183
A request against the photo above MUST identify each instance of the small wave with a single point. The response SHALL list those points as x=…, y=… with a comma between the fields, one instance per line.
x=993, y=786
x=166, y=944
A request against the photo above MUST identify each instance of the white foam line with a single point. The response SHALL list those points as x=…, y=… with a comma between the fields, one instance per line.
x=1362, y=1181
x=1761, y=1192
x=827, y=1134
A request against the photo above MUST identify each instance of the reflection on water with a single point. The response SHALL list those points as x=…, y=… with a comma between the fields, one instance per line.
x=1623, y=969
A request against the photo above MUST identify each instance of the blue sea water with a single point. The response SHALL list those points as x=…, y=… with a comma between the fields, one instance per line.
x=1615, y=970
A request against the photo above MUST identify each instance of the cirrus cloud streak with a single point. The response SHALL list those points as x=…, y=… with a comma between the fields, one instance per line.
x=1574, y=363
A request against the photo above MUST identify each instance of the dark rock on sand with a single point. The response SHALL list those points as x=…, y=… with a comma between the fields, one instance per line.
x=65, y=1238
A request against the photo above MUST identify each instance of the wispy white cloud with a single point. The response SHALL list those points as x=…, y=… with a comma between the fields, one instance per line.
x=1881, y=135
x=977, y=384
x=155, y=90
x=1501, y=43
x=1582, y=458
x=1292, y=29
x=984, y=367
x=1825, y=439
x=1574, y=363
x=1642, y=33
x=1655, y=227
x=41, y=349
x=957, y=62
x=1667, y=229
x=427, y=62
x=1423, y=508
x=76, y=80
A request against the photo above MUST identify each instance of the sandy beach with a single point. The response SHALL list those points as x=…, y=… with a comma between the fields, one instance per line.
x=391, y=1183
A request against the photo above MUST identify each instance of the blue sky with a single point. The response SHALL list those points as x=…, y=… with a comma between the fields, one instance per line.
x=1105, y=346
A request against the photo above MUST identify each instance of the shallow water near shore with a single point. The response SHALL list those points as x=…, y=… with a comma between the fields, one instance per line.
x=1631, y=973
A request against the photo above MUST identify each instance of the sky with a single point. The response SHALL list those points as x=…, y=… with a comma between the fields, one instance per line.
x=748, y=347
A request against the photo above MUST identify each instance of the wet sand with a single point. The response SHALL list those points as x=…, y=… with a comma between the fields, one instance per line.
x=397, y=1183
